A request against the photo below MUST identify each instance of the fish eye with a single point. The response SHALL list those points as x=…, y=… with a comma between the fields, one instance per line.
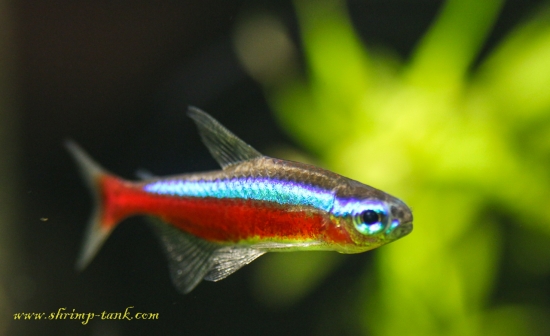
x=370, y=217
x=370, y=221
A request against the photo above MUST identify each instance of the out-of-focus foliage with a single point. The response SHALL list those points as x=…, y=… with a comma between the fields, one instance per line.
x=468, y=149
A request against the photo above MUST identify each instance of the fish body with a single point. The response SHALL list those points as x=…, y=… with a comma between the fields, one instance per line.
x=213, y=223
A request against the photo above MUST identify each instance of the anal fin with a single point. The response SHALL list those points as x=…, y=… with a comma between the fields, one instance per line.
x=189, y=258
x=192, y=259
x=228, y=260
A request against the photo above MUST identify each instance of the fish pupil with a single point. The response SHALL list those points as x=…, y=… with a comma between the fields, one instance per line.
x=370, y=217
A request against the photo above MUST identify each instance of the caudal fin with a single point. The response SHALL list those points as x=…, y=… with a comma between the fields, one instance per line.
x=100, y=226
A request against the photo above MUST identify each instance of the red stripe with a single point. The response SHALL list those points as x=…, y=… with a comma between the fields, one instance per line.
x=220, y=220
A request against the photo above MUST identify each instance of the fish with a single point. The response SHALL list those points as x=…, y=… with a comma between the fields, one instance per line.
x=213, y=223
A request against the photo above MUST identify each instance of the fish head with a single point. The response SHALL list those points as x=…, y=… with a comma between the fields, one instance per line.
x=370, y=217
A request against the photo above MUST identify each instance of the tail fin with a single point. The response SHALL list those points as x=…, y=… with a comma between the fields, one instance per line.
x=99, y=227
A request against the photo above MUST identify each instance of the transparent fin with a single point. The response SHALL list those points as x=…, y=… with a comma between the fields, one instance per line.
x=97, y=231
x=189, y=258
x=192, y=259
x=228, y=260
x=144, y=174
x=224, y=146
x=96, y=234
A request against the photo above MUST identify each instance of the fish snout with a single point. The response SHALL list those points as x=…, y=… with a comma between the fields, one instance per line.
x=401, y=231
x=403, y=216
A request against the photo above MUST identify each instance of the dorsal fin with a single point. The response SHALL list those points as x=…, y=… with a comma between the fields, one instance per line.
x=224, y=146
x=192, y=259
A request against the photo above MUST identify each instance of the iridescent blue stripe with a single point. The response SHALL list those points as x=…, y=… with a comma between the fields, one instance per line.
x=261, y=189
x=351, y=206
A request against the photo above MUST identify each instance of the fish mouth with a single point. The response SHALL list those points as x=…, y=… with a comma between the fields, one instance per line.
x=401, y=231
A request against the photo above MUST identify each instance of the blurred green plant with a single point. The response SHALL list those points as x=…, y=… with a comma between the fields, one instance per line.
x=467, y=148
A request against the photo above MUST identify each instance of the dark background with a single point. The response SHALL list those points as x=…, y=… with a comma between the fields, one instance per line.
x=117, y=78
